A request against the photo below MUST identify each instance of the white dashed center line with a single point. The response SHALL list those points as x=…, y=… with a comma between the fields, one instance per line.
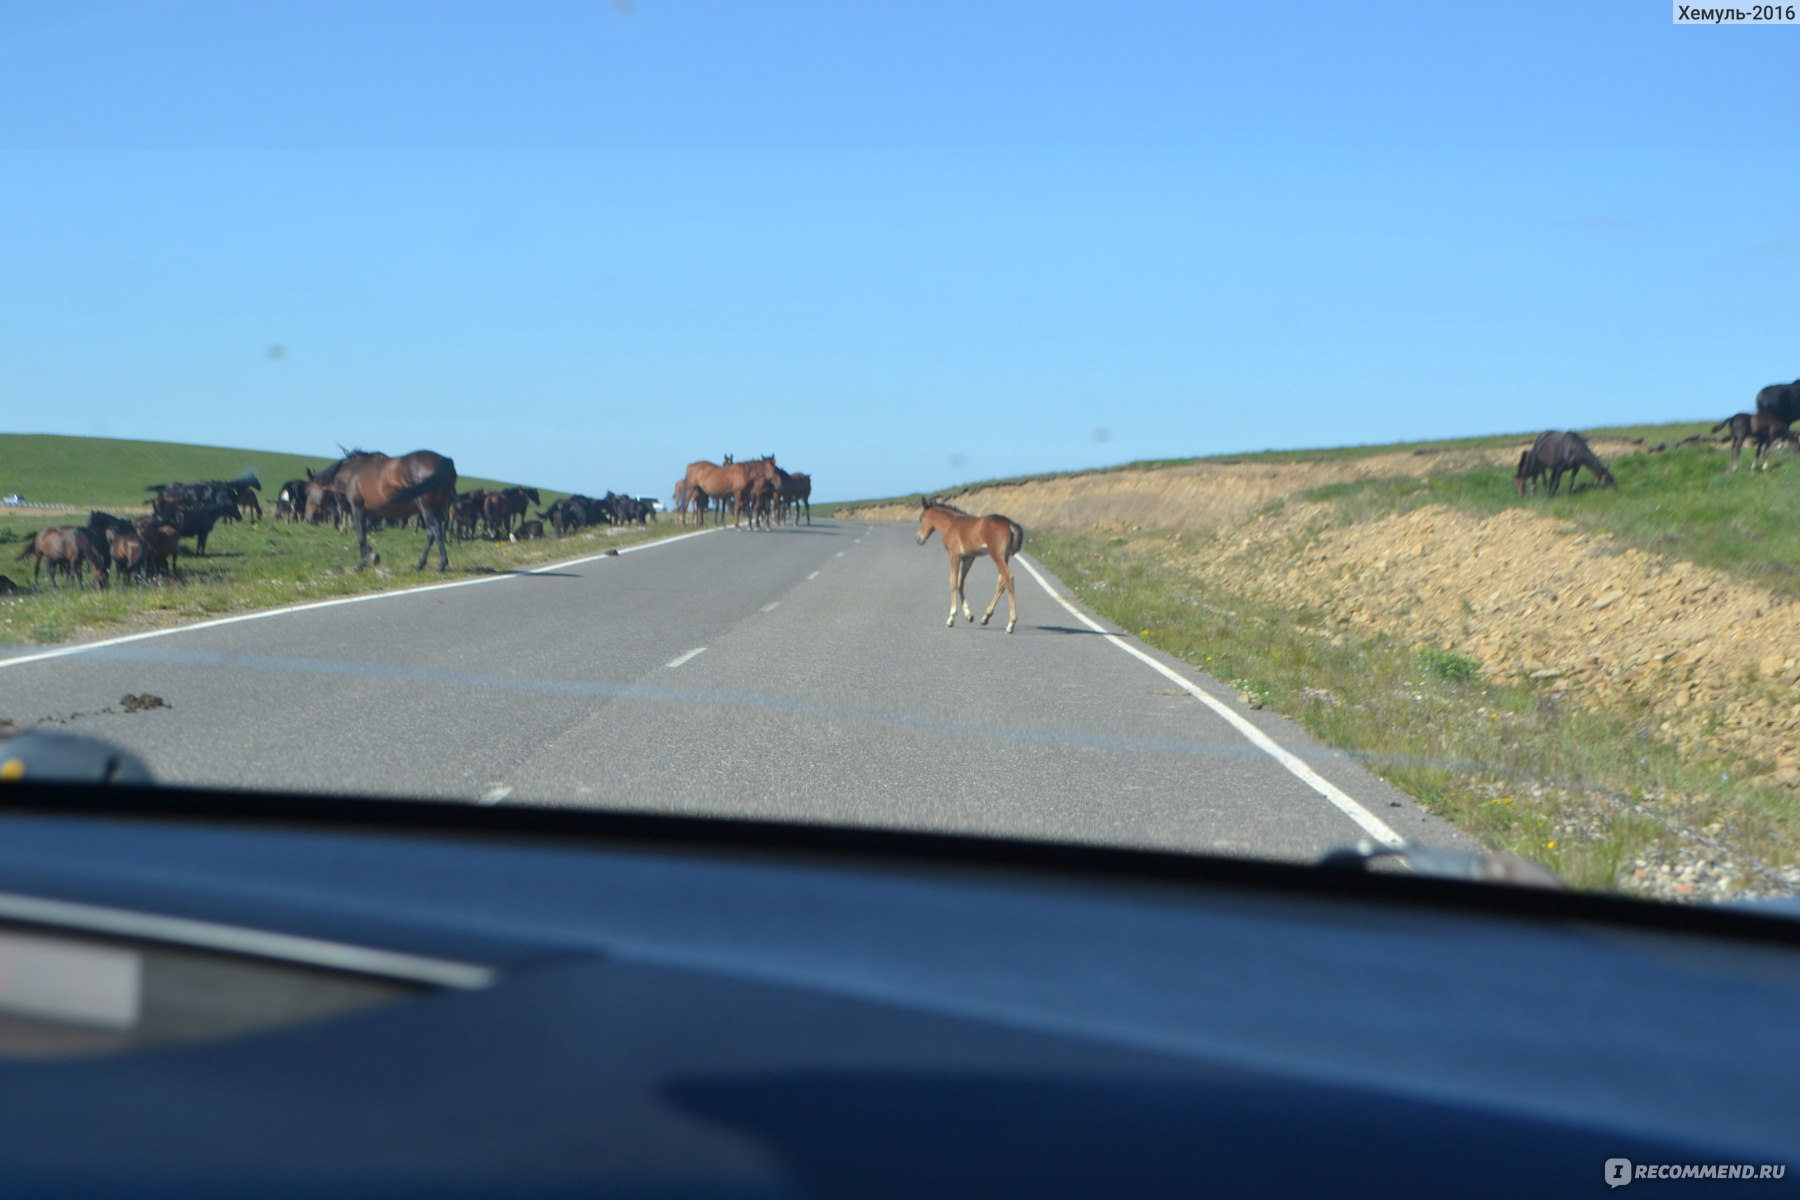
x=694, y=653
x=770, y=606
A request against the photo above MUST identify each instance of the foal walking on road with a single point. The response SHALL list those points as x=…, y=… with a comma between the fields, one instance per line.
x=965, y=537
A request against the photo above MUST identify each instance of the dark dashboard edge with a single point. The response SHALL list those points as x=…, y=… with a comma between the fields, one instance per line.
x=743, y=838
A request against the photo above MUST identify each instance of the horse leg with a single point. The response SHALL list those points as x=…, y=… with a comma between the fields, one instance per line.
x=955, y=587
x=359, y=517
x=431, y=533
x=1003, y=584
x=962, y=591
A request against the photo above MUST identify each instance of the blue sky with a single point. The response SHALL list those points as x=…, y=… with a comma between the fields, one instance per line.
x=900, y=245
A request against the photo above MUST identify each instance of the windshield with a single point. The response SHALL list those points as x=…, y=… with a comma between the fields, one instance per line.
x=1323, y=425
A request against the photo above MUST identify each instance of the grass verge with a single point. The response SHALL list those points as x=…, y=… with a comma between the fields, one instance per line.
x=266, y=565
x=1593, y=795
x=1682, y=503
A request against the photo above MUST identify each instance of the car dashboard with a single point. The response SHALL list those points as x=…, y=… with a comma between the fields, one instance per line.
x=220, y=993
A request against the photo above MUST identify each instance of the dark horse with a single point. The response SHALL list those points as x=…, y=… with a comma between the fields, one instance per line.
x=1557, y=451
x=1530, y=471
x=1781, y=400
x=1764, y=428
x=375, y=486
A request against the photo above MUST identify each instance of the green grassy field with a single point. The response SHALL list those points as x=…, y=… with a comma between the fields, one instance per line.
x=107, y=472
x=1651, y=434
x=249, y=565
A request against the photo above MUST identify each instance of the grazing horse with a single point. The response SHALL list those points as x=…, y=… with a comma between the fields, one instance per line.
x=1530, y=471
x=1557, y=451
x=965, y=537
x=1764, y=428
x=375, y=486
x=162, y=544
x=124, y=544
x=66, y=547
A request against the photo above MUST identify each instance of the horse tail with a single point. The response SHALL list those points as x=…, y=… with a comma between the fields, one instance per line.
x=29, y=550
x=1721, y=425
x=1015, y=539
x=442, y=476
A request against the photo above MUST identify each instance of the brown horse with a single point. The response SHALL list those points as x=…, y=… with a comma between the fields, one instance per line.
x=741, y=483
x=965, y=537
x=65, y=548
x=246, y=499
x=375, y=486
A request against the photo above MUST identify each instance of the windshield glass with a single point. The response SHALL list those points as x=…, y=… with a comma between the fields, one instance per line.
x=1323, y=425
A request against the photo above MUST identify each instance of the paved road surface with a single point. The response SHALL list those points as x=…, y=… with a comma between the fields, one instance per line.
x=801, y=673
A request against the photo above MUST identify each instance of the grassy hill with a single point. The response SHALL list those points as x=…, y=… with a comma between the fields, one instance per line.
x=110, y=472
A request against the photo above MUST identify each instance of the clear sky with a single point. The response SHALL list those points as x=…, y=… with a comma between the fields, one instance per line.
x=901, y=245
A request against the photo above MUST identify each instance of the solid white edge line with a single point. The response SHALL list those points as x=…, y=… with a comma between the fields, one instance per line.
x=1370, y=823
x=65, y=651
x=694, y=653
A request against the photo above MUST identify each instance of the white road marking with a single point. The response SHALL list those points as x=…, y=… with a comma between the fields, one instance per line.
x=814, y=575
x=64, y=651
x=1370, y=823
x=694, y=653
x=495, y=794
x=770, y=606
x=839, y=554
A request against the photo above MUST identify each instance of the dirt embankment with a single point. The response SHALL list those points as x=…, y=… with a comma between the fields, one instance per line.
x=1706, y=655
x=1196, y=496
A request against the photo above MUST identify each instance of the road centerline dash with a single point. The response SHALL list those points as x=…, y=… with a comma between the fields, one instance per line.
x=691, y=654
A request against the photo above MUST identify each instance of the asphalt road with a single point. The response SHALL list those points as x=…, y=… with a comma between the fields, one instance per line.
x=802, y=673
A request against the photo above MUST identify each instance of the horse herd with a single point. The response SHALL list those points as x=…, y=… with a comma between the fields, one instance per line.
x=365, y=488
x=757, y=489
x=368, y=486
x=147, y=546
x=1556, y=452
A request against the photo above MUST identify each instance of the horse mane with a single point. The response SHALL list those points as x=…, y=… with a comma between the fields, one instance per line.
x=330, y=473
x=1589, y=459
x=931, y=502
